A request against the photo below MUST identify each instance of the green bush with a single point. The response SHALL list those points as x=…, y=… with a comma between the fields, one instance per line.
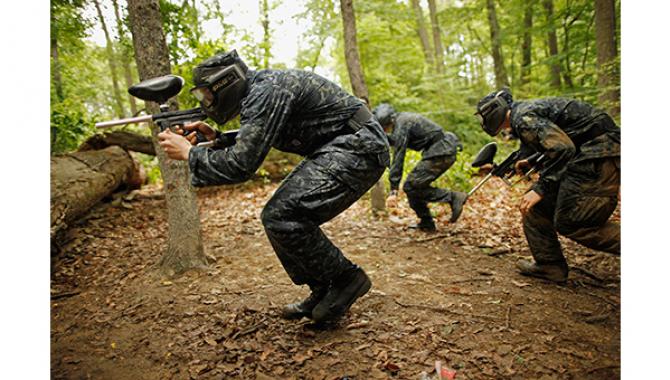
x=70, y=126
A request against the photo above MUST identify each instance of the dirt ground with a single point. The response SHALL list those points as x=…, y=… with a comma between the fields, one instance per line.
x=452, y=297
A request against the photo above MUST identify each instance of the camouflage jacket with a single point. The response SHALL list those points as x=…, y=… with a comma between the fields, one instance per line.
x=291, y=110
x=418, y=133
x=565, y=130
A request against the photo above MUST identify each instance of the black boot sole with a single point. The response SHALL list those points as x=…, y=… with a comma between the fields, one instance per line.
x=295, y=315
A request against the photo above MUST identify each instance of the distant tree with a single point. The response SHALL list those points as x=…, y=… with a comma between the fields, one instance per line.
x=437, y=37
x=527, y=48
x=552, y=43
x=423, y=33
x=358, y=82
x=184, y=250
x=265, y=22
x=68, y=29
x=608, y=70
x=125, y=54
x=496, y=46
x=56, y=78
x=111, y=59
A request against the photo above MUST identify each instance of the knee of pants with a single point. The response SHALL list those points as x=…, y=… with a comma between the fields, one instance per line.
x=410, y=187
x=565, y=225
x=535, y=220
x=270, y=216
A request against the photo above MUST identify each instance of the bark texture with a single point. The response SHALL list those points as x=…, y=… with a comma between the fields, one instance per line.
x=351, y=51
x=437, y=37
x=126, y=140
x=496, y=46
x=80, y=180
x=184, y=250
x=423, y=33
x=358, y=85
x=606, y=49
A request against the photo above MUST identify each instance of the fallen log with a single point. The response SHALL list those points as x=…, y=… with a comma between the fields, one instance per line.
x=80, y=180
x=126, y=140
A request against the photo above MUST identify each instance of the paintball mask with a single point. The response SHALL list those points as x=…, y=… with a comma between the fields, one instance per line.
x=492, y=110
x=384, y=114
x=220, y=84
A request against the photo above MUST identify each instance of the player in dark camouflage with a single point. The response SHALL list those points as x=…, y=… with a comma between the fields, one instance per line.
x=300, y=112
x=438, y=153
x=578, y=188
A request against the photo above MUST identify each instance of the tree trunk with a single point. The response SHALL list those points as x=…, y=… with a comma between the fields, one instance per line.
x=567, y=73
x=55, y=73
x=126, y=140
x=527, y=47
x=606, y=50
x=80, y=180
x=125, y=56
x=184, y=250
x=358, y=84
x=496, y=46
x=423, y=33
x=437, y=38
x=265, y=22
x=552, y=42
x=112, y=61
x=585, y=56
x=55, y=64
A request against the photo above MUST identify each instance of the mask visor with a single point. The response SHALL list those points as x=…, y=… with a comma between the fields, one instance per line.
x=480, y=118
x=204, y=95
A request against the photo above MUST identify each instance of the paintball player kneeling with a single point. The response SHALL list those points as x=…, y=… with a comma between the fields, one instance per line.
x=578, y=188
x=299, y=112
x=438, y=153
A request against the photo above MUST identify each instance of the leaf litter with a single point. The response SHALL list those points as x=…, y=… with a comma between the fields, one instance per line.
x=456, y=298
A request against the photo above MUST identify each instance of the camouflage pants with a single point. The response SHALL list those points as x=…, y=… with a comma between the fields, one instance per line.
x=580, y=210
x=417, y=185
x=316, y=191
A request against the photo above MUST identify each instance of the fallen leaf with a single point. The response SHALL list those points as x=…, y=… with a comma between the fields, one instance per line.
x=392, y=367
x=210, y=341
x=363, y=346
x=520, y=284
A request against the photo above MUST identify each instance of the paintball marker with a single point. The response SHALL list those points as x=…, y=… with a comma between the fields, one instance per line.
x=505, y=169
x=159, y=90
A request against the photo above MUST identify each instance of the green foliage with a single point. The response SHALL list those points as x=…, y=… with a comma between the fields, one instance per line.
x=150, y=163
x=70, y=125
x=394, y=65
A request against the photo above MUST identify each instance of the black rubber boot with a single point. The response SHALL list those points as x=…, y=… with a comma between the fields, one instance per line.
x=552, y=272
x=304, y=308
x=457, y=201
x=341, y=295
x=426, y=225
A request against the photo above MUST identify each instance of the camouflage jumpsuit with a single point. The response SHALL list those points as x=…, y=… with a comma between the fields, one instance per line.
x=580, y=180
x=438, y=154
x=300, y=112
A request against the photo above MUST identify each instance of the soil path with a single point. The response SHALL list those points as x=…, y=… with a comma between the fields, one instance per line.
x=453, y=296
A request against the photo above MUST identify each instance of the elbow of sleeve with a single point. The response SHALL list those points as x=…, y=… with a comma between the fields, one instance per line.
x=569, y=151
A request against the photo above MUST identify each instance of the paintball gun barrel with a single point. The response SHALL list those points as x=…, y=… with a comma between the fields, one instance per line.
x=504, y=170
x=159, y=90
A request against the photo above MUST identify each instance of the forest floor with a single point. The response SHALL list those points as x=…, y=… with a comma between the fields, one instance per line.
x=453, y=297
